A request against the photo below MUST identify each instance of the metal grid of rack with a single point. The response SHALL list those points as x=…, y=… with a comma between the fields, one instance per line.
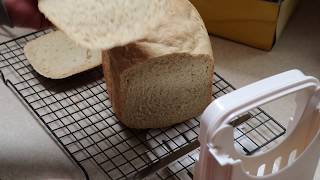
x=78, y=113
x=180, y=169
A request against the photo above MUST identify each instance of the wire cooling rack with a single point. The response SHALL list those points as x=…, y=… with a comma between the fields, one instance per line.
x=78, y=113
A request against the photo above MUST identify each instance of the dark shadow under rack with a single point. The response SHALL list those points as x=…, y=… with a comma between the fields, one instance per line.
x=78, y=113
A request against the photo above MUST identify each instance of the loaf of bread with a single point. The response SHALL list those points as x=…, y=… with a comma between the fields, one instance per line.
x=55, y=56
x=157, y=56
x=166, y=78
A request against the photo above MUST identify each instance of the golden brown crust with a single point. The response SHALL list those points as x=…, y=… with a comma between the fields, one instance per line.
x=113, y=82
x=127, y=56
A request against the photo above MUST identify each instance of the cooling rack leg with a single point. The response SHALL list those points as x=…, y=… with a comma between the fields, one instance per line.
x=2, y=77
x=84, y=172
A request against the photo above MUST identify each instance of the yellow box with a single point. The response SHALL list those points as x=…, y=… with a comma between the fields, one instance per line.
x=258, y=23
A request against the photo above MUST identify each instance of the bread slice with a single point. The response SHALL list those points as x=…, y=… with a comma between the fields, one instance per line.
x=55, y=56
x=103, y=24
x=166, y=78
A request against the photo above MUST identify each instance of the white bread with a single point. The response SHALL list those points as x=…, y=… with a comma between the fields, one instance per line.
x=166, y=78
x=103, y=24
x=55, y=56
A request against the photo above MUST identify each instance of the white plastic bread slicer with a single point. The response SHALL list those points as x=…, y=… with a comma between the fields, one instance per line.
x=296, y=158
